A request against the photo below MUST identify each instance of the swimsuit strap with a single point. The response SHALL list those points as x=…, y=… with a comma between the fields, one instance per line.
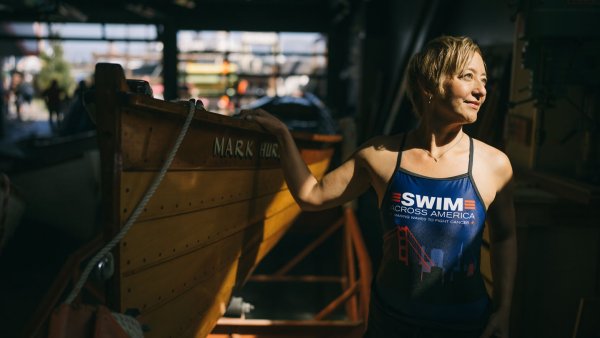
x=470, y=156
x=399, y=160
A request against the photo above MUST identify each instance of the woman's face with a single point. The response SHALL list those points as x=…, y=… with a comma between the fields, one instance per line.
x=464, y=93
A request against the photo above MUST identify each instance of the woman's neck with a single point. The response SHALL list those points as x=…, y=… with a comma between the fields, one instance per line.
x=432, y=136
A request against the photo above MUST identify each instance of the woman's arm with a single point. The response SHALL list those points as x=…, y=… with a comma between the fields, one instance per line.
x=337, y=187
x=503, y=246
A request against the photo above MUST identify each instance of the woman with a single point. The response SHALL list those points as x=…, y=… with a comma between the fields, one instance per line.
x=435, y=186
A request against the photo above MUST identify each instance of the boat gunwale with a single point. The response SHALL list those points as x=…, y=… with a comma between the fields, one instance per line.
x=181, y=109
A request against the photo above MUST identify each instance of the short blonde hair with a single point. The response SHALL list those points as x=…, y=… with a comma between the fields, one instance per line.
x=442, y=57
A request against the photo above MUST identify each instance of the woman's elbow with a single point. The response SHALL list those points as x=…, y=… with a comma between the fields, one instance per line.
x=309, y=204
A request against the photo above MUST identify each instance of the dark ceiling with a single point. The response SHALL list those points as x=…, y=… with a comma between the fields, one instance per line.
x=278, y=15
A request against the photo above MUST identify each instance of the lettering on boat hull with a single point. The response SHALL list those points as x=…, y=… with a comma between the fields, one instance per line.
x=227, y=147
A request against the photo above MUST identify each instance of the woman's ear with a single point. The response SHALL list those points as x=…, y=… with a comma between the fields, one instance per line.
x=427, y=96
x=425, y=93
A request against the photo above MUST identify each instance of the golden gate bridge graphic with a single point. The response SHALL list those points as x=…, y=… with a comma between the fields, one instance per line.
x=407, y=240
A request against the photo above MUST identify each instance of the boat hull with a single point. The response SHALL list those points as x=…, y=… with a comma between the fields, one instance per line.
x=221, y=207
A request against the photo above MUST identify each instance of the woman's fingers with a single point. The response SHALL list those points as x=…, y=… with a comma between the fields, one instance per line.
x=264, y=119
x=250, y=114
x=246, y=114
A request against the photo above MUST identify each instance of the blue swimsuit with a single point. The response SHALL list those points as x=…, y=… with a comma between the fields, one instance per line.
x=429, y=274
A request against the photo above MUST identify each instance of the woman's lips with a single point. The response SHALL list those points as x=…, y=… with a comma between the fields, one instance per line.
x=473, y=104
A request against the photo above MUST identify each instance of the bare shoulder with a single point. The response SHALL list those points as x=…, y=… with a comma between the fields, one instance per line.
x=494, y=161
x=378, y=156
x=378, y=146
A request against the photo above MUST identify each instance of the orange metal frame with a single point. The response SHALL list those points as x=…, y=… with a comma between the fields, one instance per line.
x=355, y=284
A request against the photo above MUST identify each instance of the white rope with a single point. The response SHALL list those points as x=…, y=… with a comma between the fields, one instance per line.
x=130, y=325
x=138, y=209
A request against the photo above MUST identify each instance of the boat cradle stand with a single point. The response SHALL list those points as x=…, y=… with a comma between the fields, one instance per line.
x=354, y=279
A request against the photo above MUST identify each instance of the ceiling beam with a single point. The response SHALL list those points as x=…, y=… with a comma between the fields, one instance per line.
x=242, y=15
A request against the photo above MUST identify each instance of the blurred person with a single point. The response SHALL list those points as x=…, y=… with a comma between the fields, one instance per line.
x=19, y=92
x=53, y=96
x=76, y=118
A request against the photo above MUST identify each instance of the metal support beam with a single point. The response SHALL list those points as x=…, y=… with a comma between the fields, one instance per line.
x=418, y=41
x=168, y=36
x=71, y=38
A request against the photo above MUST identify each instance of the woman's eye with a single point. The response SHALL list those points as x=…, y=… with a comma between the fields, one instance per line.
x=467, y=76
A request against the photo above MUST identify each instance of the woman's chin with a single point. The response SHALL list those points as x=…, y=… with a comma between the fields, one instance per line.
x=470, y=118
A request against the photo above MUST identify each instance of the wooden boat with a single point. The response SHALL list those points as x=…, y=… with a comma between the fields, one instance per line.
x=220, y=208
x=59, y=179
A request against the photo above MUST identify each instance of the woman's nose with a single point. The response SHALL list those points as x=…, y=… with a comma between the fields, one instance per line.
x=479, y=91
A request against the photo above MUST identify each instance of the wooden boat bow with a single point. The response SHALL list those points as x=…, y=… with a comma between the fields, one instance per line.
x=222, y=205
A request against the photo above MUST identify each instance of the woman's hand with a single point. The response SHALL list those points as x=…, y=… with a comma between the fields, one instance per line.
x=497, y=326
x=269, y=122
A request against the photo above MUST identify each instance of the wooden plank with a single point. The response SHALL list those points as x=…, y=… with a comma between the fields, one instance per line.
x=249, y=260
x=195, y=318
x=157, y=239
x=194, y=312
x=156, y=286
x=186, y=191
x=151, y=242
x=292, y=328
